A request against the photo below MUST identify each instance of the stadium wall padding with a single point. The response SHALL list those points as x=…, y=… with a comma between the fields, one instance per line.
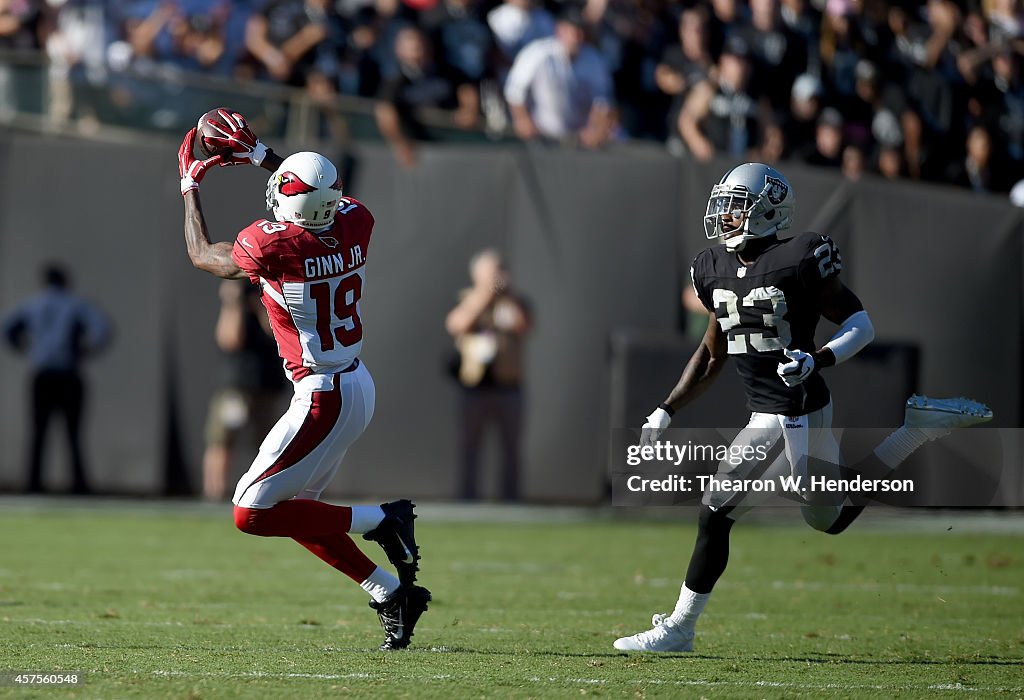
x=600, y=242
x=99, y=210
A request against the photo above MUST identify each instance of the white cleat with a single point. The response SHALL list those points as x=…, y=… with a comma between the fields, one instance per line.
x=937, y=417
x=665, y=636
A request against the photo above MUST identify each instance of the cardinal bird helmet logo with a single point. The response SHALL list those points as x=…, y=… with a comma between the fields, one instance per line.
x=289, y=184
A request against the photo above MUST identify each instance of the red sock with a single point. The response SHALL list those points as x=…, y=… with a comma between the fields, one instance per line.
x=319, y=527
x=295, y=518
x=342, y=553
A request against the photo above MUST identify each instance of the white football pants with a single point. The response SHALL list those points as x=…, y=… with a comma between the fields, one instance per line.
x=302, y=452
x=809, y=448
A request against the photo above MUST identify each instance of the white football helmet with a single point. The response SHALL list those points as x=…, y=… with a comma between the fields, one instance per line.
x=754, y=194
x=305, y=190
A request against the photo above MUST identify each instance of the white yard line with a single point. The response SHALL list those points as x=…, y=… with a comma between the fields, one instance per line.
x=897, y=587
x=875, y=520
x=556, y=680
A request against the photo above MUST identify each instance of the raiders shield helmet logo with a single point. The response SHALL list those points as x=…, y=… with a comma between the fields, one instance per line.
x=777, y=189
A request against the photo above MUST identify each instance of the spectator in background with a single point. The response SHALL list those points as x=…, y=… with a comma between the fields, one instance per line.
x=631, y=35
x=840, y=47
x=170, y=35
x=204, y=43
x=872, y=29
x=1002, y=107
x=937, y=89
x=801, y=21
x=923, y=57
x=827, y=149
x=974, y=62
x=937, y=74
x=560, y=89
x=391, y=17
x=514, y=24
x=804, y=110
x=76, y=46
x=289, y=37
x=19, y=25
x=977, y=171
x=464, y=49
x=358, y=69
x=685, y=64
x=418, y=85
x=489, y=325
x=888, y=139
x=19, y=20
x=777, y=55
x=726, y=17
x=56, y=329
x=853, y=162
x=908, y=41
x=995, y=93
x=859, y=109
x=461, y=38
x=158, y=43
x=251, y=382
x=975, y=30
x=889, y=162
x=721, y=115
x=1005, y=18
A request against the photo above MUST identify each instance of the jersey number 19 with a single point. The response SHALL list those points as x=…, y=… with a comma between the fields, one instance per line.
x=346, y=296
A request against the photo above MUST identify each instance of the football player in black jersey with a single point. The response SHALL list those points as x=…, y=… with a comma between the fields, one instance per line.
x=764, y=298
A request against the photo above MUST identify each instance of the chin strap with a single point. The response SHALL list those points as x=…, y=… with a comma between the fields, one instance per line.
x=740, y=240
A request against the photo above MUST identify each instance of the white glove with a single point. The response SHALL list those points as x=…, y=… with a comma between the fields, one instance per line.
x=655, y=426
x=798, y=369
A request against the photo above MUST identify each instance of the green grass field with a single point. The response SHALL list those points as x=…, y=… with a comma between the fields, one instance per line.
x=174, y=603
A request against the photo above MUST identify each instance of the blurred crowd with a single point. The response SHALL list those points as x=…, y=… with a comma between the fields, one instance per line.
x=925, y=90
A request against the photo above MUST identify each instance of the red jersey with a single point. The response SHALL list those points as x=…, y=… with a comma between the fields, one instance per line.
x=312, y=284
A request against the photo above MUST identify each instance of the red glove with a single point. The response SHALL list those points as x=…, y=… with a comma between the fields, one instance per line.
x=190, y=168
x=236, y=136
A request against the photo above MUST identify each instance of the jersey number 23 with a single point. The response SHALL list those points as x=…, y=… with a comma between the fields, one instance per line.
x=754, y=323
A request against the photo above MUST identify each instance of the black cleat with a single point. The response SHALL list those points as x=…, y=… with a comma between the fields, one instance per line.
x=396, y=536
x=399, y=614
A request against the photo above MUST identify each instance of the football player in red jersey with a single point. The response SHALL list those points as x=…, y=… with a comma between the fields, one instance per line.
x=310, y=264
x=764, y=297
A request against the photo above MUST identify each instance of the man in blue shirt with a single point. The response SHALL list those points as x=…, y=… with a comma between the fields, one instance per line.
x=56, y=330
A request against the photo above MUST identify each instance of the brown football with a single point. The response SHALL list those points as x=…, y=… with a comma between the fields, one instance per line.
x=211, y=129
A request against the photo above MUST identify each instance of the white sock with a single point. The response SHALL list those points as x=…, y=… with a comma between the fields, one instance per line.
x=689, y=607
x=365, y=518
x=380, y=584
x=900, y=445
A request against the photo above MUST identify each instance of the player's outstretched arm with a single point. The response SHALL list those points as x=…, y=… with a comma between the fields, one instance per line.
x=214, y=258
x=702, y=369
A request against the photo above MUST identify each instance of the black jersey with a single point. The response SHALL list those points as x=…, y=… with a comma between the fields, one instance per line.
x=766, y=307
